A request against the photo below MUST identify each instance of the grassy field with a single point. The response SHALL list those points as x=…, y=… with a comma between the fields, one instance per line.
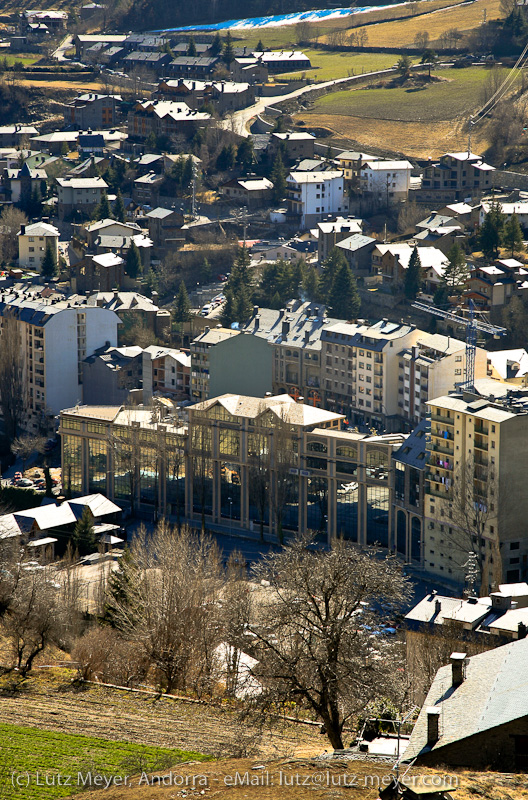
x=401, y=33
x=456, y=96
x=328, y=66
x=23, y=58
x=35, y=763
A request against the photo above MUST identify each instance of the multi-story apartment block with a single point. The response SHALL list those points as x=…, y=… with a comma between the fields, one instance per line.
x=312, y=195
x=92, y=110
x=351, y=162
x=110, y=374
x=55, y=334
x=384, y=374
x=79, y=196
x=475, y=487
x=244, y=462
x=166, y=371
x=333, y=232
x=454, y=177
x=385, y=182
x=164, y=118
x=200, y=367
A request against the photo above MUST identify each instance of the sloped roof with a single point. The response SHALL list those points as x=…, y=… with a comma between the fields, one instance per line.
x=494, y=692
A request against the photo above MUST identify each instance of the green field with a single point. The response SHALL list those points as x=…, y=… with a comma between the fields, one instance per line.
x=34, y=763
x=23, y=58
x=340, y=65
x=446, y=100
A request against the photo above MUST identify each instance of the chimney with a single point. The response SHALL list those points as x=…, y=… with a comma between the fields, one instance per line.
x=22, y=230
x=281, y=313
x=207, y=329
x=257, y=321
x=438, y=606
x=433, y=725
x=285, y=327
x=255, y=310
x=458, y=668
x=306, y=337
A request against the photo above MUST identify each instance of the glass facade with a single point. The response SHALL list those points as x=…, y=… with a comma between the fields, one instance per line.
x=378, y=515
x=72, y=473
x=317, y=505
x=230, y=490
x=202, y=485
x=148, y=475
x=229, y=442
x=347, y=510
x=97, y=450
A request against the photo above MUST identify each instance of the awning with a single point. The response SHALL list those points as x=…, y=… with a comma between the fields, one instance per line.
x=41, y=542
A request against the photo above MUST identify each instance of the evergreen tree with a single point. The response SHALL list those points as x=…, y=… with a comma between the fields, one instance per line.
x=492, y=231
x=226, y=158
x=331, y=266
x=311, y=284
x=182, y=305
x=151, y=282
x=441, y=296
x=260, y=46
x=206, y=271
x=229, y=311
x=84, y=540
x=229, y=51
x=456, y=271
x=513, y=235
x=344, y=300
x=278, y=178
x=413, y=275
x=246, y=153
x=243, y=303
x=216, y=46
x=103, y=211
x=188, y=172
x=48, y=266
x=191, y=49
x=133, y=264
x=119, y=207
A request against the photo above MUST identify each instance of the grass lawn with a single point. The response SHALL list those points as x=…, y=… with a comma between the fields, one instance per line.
x=340, y=65
x=39, y=757
x=24, y=58
x=446, y=100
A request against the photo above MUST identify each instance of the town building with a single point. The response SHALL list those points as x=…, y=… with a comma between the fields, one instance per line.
x=164, y=118
x=225, y=96
x=79, y=197
x=475, y=714
x=164, y=226
x=199, y=67
x=33, y=240
x=133, y=308
x=390, y=261
x=477, y=456
x=83, y=41
x=200, y=355
x=357, y=250
x=92, y=110
x=351, y=163
x=16, y=135
x=385, y=182
x=313, y=195
x=456, y=176
x=101, y=272
x=110, y=373
x=166, y=372
x=334, y=231
x=252, y=192
x=21, y=183
x=410, y=464
x=294, y=145
x=509, y=366
x=279, y=61
x=55, y=334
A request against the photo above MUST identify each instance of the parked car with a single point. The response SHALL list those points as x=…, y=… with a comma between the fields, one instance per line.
x=25, y=483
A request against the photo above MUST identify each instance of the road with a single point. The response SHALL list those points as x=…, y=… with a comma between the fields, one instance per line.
x=239, y=121
x=65, y=45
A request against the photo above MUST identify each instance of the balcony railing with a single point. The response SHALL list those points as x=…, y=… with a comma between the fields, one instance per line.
x=442, y=419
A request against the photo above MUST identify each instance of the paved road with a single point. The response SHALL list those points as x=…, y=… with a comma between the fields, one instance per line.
x=65, y=45
x=239, y=121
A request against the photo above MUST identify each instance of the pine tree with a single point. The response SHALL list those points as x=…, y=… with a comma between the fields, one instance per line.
x=243, y=303
x=48, y=266
x=311, y=284
x=191, y=49
x=456, y=271
x=229, y=51
x=331, y=266
x=84, y=540
x=278, y=178
x=182, y=305
x=133, y=264
x=103, y=211
x=119, y=207
x=492, y=231
x=246, y=153
x=216, y=46
x=344, y=300
x=260, y=46
x=229, y=311
x=513, y=235
x=413, y=275
x=206, y=271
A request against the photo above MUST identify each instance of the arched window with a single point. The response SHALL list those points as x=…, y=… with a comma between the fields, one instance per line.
x=317, y=447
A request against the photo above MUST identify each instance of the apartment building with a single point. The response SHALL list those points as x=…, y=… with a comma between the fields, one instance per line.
x=351, y=162
x=92, y=110
x=33, y=241
x=477, y=465
x=55, y=336
x=79, y=196
x=166, y=371
x=384, y=374
x=312, y=195
x=294, y=145
x=455, y=176
x=224, y=95
x=200, y=355
x=334, y=231
x=164, y=118
x=110, y=373
x=385, y=182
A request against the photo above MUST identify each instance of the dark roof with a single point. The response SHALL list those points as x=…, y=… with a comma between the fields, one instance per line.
x=412, y=451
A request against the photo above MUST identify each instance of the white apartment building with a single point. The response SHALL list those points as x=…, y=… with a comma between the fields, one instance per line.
x=56, y=334
x=387, y=182
x=32, y=243
x=384, y=374
x=312, y=195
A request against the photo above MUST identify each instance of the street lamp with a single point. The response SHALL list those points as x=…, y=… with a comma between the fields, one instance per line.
x=229, y=500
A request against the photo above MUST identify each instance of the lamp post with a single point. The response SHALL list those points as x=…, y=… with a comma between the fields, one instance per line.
x=230, y=501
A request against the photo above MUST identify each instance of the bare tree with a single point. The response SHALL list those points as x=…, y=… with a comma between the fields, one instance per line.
x=168, y=607
x=10, y=222
x=24, y=446
x=312, y=637
x=12, y=384
x=285, y=447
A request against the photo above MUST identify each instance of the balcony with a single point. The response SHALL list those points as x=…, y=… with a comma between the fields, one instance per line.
x=446, y=435
x=442, y=419
x=438, y=448
x=444, y=493
x=480, y=444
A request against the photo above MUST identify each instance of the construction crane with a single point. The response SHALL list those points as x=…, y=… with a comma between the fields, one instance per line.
x=472, y=325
